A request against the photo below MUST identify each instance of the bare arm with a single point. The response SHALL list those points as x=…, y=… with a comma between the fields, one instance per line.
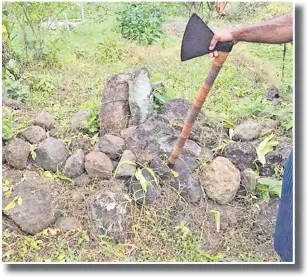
x=277, y=30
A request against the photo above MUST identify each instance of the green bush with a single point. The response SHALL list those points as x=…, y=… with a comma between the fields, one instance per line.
x=141, y=22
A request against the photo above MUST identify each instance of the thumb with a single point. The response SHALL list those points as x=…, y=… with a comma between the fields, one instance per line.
x=213, y=43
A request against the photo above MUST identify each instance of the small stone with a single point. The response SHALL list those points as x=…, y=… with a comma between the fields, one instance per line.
x=98, y=164
x=67, y=223
x=249, y=179
x=247, y=130
x=188, y=187
x=80, y=119
x=127, y=133
x=17, y=153
x=241, y=154
x=74, y=166
x=221, y=180
x=112, y=146
x=44, y=120
x=51, y=154
x=82, y=180
x=34, y=134
x=274, y=95
x=126, y=170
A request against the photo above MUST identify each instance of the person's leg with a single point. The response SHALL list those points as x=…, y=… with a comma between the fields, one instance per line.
x=283, y=243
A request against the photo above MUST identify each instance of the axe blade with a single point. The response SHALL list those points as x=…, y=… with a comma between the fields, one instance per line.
x=196, y=40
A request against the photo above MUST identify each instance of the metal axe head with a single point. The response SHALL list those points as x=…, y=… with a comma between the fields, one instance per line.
x=196, y=40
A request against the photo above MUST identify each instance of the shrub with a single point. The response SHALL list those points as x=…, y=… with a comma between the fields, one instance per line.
x=141, y=22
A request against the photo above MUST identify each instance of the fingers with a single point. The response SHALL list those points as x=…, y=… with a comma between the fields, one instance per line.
x=214, y=54
x=213, y=43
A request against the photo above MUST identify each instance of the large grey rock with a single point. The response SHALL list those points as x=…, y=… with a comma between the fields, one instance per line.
x=34, y=134
x=247, y=130
x=51, y=154
x=17, y=153
x=221, y=180
x=176, y=111
x=112, y=146
x=140, y=96
x=80, y=119
x=188, y=186
x=152, y=192
x=44, y=120
x=74, y=165
x=125, y=169
x=114, y=112
x=249, y=179
x=66, y=223
x=160, y=168
x=156, y=138
x=98, y=164
x=241, y=154
x=109, y=214
x=37, y=210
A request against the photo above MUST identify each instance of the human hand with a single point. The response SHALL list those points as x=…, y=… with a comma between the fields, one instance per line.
x=221, y=36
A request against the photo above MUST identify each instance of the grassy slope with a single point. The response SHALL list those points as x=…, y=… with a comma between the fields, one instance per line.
x=248, y=73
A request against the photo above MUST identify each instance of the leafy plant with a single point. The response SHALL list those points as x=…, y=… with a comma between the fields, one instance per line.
x=265, y=147
x=43, y=83
x=93, y=123
x=268, y=187
x=56, y=175
x=141, y=22
x=139, y=175
x=9, y=127
x=16, y=90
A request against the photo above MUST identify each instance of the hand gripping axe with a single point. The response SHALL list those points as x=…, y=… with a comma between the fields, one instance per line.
x=195, y=43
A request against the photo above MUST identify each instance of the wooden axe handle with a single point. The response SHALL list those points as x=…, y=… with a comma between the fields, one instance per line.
x=197, y=105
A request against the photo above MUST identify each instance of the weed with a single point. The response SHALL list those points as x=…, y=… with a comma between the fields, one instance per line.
x=9, y=126
x=141, y=22
x=265, y=147
x=268, y=187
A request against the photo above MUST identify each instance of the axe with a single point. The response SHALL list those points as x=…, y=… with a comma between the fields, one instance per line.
x=195, y=43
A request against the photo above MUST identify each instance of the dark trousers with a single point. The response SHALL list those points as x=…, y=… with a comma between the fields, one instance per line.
x=283, y=242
